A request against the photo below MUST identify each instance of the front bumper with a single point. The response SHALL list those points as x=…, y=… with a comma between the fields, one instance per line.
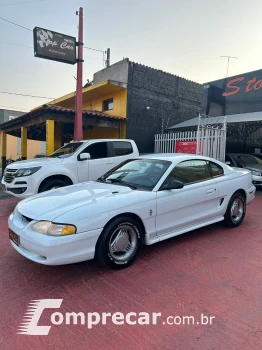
x=21, y=187
x=257, y=180
x=50, y=250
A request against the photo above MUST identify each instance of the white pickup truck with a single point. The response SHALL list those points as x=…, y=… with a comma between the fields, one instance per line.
x=73, y=163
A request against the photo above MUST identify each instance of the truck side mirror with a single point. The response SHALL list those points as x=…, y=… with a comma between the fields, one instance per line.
x=84, y=156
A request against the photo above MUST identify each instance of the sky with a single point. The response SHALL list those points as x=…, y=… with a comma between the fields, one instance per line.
x=182, y=37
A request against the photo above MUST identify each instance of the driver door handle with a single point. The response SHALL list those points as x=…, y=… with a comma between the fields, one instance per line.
x=109, y=162
x=211, y=190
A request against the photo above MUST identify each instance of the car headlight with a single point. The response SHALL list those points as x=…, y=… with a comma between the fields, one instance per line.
x=52, y=229
x=27, y=171
x=256, y=173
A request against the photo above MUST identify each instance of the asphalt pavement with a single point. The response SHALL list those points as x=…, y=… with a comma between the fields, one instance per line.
x=3, y=195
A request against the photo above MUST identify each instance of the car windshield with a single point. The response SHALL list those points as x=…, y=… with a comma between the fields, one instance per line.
x=141, y=174
x=247, y=159
x=67, y=150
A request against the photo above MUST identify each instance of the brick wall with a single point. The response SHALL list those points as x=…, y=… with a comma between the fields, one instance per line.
x=171, y=100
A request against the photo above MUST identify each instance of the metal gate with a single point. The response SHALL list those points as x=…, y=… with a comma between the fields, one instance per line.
x=210, y=139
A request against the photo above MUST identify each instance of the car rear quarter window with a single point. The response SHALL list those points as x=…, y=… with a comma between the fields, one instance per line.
x=122, y=148
x=215, y=169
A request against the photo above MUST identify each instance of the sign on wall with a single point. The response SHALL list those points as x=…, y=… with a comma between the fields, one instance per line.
x=189, y=147
x=54, y=46
x=235, y=95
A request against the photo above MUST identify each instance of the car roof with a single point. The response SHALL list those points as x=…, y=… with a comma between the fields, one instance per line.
x=240, y=154
x=173, y=157
x=104, y=140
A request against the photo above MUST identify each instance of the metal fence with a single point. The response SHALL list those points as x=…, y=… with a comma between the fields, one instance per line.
x=210, y=141
x=166, y=143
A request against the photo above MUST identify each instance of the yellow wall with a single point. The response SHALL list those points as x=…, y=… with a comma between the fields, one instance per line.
x=96, y=104
x=93, y=100
x=33, y=147
x=119, y=110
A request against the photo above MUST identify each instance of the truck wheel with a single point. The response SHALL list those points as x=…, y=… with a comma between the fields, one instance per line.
x=119, y=243
x=52, y=184
x=236, y=210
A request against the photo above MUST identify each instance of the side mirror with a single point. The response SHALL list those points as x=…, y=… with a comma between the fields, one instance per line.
x=173, y=185
x=84, y=156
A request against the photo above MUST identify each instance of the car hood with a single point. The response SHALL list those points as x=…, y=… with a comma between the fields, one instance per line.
x=30, y=163
x=95, y=196
x=254, y=167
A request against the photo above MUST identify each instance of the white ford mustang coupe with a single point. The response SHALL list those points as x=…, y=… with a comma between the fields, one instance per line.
x=141, y=201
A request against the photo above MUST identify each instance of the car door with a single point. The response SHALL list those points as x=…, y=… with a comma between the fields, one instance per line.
x=196, y=202
x=101, y=160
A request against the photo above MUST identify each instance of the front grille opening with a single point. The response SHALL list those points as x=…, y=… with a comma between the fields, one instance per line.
x=17, y=190
x=9, y=175
x=8, y=179
x=11, y=170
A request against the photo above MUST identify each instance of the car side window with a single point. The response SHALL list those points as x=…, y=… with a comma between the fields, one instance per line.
x=215, y=169
x=97, y=150
x=189, y=171
x=122, y=148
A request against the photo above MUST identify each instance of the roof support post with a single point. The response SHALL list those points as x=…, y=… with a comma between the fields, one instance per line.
x=4, y=143
x=23, y=143
x=50, y=137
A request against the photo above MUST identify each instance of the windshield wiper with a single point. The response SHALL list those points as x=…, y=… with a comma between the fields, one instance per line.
x=54, y=156
x=101, y=179
x=122, y=182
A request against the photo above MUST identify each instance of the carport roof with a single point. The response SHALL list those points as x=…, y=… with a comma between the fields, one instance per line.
x=47, y=108
x=234, y=118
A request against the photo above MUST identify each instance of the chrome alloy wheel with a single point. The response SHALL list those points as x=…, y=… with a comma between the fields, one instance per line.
x=123, y=242
x=237, y=210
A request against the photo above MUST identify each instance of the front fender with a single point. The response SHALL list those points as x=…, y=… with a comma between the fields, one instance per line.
x=79, y=217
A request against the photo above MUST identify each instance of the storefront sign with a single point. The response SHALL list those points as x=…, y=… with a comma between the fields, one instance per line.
x=234, y=88
x=54, y=46
x=234, y=95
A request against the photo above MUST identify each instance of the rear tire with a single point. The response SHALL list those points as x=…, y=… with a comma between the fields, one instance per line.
x=119, y=243
x=236, y=210
x=52, y=184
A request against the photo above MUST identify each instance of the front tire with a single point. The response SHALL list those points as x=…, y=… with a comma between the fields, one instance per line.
x=236, y=210
x=119, y=243
x=52, y=184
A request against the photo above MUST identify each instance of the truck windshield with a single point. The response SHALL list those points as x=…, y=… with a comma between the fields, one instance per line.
x=67, y=150
x=247, y=159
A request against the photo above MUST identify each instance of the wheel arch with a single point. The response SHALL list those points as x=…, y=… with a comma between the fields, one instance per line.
x=131, y=215
x=55, y=177
x=243, y=192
